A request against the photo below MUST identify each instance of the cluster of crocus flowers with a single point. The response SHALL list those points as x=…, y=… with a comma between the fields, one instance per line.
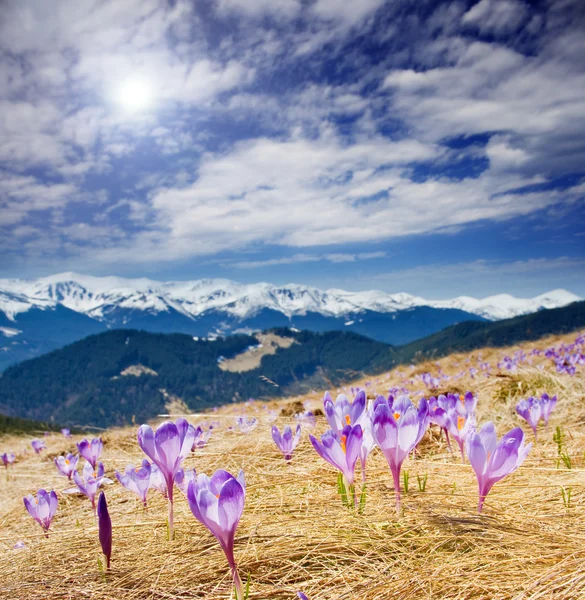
x=218, y=502
x=167, y=448
x=492, y=460
x=398, y=426
x=137, y=479
x=455, y=415
x=286, y=442
x=532, y=410
x=246, y=424
x=91, y=450
x=42, y=508
x=38, y=446
x=67, y=464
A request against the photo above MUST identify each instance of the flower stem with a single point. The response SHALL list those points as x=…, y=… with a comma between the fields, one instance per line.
x=238, y=583
x=396, y=478
x=170, y=520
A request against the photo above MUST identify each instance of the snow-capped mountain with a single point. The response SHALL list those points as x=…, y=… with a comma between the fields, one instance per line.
x=96, y=297
x=43, y=314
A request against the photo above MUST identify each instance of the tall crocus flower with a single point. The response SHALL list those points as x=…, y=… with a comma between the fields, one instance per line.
x=66, y=432
x=67, y=464
x=8, y=458
x=531, y=411
x=91, y=451
x=342, y=452
x=342, y=412
x=38, y=446
x=286, y=443
x=89, y=481
x=398, y=427
x=547, y=405
x=491, y=460
x=42, y=508
x=218, y=502
x=137, y=479
x=105, y=528
x=167, y=448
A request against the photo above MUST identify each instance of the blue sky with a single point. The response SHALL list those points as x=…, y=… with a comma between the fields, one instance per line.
x=436, y=148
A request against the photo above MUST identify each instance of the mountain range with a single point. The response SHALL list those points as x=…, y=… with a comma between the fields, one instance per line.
x=39, y=315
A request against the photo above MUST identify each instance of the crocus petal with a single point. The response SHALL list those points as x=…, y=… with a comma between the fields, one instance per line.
x=230, y=506
x=146, y=442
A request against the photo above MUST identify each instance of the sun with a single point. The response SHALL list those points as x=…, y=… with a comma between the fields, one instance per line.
x=135, y=95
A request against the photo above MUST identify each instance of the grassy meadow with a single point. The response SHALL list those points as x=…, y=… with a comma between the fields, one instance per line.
x=296, y=535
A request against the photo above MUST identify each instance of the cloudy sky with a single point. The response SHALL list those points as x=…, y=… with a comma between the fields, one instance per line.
x=436, y=148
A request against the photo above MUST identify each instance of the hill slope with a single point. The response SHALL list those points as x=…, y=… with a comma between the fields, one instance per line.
x=295, y=534
x=119, y=376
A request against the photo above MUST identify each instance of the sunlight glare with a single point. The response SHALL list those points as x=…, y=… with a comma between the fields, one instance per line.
x=135, y=95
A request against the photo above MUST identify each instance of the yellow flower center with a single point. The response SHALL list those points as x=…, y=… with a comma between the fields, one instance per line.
x=344, y=443
x=462, y=398
x=66, y=462
x=94, y=474
x=397, y=415
x=460, y=423
x=137, y=469
x=348, y=419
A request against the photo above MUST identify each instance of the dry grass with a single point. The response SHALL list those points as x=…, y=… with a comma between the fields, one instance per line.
x=295, y=534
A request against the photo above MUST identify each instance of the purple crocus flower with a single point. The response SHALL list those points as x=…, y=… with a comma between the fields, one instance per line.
x=105, y=528
x=8, y=458
x=38, y=446
x=302, y=596
x=67, y=464
x=531, y=411
x=167, y=448
x=91, y=451
x=183, y=478
x=342, y=412
x=66, y=432
x=547, y=405
x=201, y=438
x=286, y=443
x=42, y=508
x=342, y=452
x=218, y=502
x=397, y=428
x=491, y=460
x=90, y=481
x=137, y=479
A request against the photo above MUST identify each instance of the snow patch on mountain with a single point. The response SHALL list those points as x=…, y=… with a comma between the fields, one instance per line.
x=97, y=297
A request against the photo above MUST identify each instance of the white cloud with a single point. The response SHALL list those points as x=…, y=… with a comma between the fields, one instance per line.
x=257, y=8
x=304, y=258
x=348, y=11
x=497, y=16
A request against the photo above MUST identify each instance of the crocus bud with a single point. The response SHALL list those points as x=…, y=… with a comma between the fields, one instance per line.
x=105, y=527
